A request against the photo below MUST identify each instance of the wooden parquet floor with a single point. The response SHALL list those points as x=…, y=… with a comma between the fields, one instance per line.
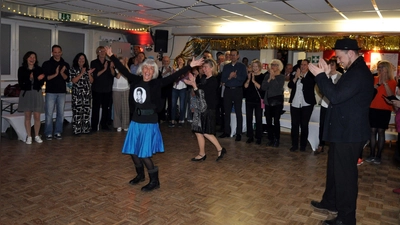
x=84, y=180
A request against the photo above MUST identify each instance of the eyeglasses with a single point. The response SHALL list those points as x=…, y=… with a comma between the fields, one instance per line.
x=273, y=64
x=381, y=67
x=101, y=51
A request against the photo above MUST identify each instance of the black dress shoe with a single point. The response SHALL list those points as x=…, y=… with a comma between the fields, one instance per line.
x=302, y=149
x=333, y=222
x=258, y=142
x=238, y=137
x=318, y=206
x=221, y=155
x=223, y=135
x=293, y=148
x=270, y=143
x=199, y=159
x=250, y=140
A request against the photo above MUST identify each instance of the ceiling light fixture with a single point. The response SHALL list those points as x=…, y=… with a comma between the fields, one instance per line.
x=376, y=8
x=337, y=10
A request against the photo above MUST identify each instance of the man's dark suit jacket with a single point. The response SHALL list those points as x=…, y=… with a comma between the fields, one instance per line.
x=308, y=88
x=346, y=118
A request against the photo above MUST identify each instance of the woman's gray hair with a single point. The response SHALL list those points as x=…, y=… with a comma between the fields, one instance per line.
x=148, y=62
x=279, y=62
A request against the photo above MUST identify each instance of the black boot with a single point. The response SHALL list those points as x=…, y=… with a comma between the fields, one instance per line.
x=270, y=142
x=140, y=175
x=154, y=182
x=276, y=142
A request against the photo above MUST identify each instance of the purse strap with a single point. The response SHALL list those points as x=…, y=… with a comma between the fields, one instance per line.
x=257, y=92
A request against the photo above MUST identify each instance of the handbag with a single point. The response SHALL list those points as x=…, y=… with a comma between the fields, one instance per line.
x=261, y=99
x=275, y=100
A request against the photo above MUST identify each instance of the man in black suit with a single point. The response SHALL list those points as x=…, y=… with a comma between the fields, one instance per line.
x=302, y=101
x=346, y=128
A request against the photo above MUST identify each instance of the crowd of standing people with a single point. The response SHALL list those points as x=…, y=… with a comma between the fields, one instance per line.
x=355, y=107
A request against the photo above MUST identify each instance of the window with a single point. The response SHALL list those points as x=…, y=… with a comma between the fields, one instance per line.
x=5, y=49
x=37, y=40
x=71, y=44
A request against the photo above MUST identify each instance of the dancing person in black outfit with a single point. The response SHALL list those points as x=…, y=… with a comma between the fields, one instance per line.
x=203, y=124
x=144, y=139
x=346, y=128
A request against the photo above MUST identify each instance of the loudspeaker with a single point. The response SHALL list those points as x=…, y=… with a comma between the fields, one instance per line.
x=161, y=41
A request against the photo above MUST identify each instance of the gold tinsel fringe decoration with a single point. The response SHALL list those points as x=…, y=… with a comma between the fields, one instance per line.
x=297, y=43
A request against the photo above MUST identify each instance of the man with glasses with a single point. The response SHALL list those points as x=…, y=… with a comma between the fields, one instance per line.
x=233, y=76
x=103, y=79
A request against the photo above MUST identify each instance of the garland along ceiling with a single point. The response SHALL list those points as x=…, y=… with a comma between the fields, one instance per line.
x=215, y=17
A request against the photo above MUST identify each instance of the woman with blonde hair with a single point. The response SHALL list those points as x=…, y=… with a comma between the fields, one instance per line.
x=253, y=95
x=380, y=111
x=273, y=87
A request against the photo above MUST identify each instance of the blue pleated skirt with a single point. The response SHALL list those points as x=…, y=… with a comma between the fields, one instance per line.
x=143, y=140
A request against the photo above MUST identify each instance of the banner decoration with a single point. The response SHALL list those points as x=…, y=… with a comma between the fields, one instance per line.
x=296, y=43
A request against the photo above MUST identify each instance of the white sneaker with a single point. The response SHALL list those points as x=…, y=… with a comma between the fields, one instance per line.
x=38, y=139
x=119, y=129
x=126, y=129
x=28, y=140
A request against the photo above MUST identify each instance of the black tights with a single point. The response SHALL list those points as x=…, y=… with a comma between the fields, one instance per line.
x=381, y=141
x=146, y=161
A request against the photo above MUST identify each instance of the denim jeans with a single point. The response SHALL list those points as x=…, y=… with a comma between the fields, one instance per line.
x=54, y=100
x=181, y=94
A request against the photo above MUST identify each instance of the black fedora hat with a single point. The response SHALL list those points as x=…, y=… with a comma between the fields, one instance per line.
x=346, y=44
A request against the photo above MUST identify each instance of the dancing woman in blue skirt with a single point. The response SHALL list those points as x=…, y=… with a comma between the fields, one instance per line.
x=144, y=137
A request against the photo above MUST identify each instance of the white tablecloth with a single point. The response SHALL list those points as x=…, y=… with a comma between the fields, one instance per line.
x=313, y=127
x=17, y=120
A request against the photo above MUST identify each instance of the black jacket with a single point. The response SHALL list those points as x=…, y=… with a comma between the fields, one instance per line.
x=347, y=114
x=308, y=88
x=24, y=81
x=58, y=83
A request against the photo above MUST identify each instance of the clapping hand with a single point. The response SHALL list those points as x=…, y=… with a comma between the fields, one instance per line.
x=41, y=76
x=321, y=68
x=57, y=70
x=396, y=103
x=91, y=70
x=298, y=74
x=232, y=75
x=63, y=69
